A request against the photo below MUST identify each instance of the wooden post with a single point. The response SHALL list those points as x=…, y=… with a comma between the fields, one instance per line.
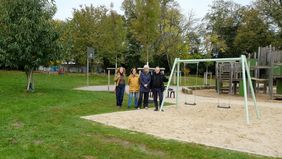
x=109, y=79
x=87, y=72
x=231, y=77
x=271, y=73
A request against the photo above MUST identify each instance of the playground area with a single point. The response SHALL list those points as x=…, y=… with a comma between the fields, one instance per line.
x=208, y=125
x=217, y=116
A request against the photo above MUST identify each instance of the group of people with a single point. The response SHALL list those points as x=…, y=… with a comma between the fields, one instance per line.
x=140, y=87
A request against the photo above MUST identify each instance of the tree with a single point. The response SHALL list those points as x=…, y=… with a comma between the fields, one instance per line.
x=173, y=32
x=271, y=10
x=252, y=33
x=144, y=26
x=116, y=34
x=86, y=29
x=134, y=47
x=96, y=27
x=28, y=38
x=223, y=20
x=65, y=40
x=161, y=30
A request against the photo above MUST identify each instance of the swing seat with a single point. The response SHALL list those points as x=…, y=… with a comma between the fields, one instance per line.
x=224, y=106
x=186, y=103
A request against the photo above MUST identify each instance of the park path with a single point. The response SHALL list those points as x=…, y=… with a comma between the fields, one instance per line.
x=101, y=88
x=208, y=96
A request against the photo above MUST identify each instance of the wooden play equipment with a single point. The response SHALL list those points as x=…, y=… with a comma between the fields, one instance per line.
x=228, y=75
x=266, y=73
x=266, y=67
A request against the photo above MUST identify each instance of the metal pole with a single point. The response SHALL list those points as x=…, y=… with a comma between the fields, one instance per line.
x=168, y=84
x=180, y=82
x=178, y=79
x=87, y=72
x=174, y=78
x=252, y=89
x=245, y=90
x=147, y=50
x=210, y=60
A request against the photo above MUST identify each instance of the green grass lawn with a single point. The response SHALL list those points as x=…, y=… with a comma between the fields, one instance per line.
x=47, y=124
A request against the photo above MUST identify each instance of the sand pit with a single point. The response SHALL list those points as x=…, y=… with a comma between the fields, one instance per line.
x=208, y=125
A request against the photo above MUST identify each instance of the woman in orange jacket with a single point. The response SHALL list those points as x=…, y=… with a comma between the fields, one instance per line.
x=134, y=85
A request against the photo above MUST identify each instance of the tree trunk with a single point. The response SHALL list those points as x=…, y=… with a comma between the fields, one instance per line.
x=30, y=86
x=168, y=61
x=147, y=54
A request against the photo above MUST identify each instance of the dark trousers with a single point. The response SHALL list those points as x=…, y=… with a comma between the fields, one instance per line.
x=119, y=94
x=145, y=101
x=157, y=92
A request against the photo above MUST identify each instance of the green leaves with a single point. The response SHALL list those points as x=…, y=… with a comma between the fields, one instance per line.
x=144, y=25
x=242, y=29
x=95, y=27
x=271, y=11
x=252, y=33
x=158, y=27
x=222, y=20
x=28, y=38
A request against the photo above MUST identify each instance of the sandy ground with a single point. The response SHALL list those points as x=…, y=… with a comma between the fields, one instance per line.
x=206, y=124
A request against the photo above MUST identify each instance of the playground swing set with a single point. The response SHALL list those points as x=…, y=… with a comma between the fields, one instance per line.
x=263, y=68
x=246, y=80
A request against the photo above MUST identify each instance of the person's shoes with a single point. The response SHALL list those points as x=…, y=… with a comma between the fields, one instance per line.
x=146, y=107
x=156, y=110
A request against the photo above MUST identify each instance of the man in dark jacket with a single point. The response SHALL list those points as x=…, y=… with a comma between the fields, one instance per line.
x=157, y=86
x=145, y=80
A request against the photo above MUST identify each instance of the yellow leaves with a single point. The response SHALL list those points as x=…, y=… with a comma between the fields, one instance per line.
x=215, y=40
x=186, y=71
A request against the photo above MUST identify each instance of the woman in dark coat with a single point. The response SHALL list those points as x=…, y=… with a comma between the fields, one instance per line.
x=145, y=80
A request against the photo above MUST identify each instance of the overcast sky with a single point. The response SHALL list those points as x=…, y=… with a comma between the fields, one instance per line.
x=199, y=7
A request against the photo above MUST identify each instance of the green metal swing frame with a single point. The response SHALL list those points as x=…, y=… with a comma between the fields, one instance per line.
x=246, y=78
